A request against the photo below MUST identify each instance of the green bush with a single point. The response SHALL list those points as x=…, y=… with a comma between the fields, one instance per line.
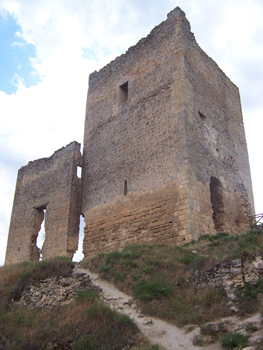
x=251, y=291
x=148, y=290
x=234, y=340
x=247, y=297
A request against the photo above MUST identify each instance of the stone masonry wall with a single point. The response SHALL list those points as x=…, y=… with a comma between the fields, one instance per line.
x=163, y=116
x=216, y=144
x=49, y=184
x=152, y=218
x=139, y=143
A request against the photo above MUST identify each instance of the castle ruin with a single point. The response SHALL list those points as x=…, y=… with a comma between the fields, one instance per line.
x=164, y=159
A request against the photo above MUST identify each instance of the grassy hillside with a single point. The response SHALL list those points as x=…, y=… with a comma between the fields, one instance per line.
x=161, y=277
x=86, y=323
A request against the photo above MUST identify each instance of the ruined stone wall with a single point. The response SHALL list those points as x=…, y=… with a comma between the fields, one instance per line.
x=165, y=156
x=49, y=184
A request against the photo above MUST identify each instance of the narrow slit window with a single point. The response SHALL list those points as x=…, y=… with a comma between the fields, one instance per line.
x=123, y=93
x=125, y=188
x=79, y=172
x=202, y=116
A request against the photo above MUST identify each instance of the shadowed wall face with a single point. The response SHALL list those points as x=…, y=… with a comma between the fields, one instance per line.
x=49, y=184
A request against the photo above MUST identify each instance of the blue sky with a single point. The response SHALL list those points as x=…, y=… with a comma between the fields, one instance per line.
x=49, y=48
x=16, y=57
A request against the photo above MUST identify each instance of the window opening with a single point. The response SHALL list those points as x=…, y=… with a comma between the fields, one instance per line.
x=216, y=192
x=78, y=256
x=123, y=93
x=79, y=171
x=201, y=115
x=125, y=188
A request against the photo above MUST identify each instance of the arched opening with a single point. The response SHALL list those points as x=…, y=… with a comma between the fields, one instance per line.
x=216, y=193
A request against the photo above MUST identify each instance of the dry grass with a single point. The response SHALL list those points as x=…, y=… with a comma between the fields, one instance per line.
x=161, y=277
x=224, y=245
x=86, y=323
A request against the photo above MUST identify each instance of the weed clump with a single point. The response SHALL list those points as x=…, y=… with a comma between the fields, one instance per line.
x=234, y=340
x=247, y=297
x=148, y=290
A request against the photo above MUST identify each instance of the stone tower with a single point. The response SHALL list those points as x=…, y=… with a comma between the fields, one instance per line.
x=165, y=155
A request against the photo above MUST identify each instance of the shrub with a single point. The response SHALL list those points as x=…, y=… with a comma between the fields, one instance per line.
x=148, y=290
x=247, y=297
x=234, y=340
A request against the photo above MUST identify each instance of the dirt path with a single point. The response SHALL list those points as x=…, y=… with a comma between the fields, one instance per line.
x=157, y=331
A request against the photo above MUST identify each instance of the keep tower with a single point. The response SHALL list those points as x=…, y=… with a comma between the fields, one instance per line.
x=165, y=155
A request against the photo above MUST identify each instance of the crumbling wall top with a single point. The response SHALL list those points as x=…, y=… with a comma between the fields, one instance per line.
x=50, y=188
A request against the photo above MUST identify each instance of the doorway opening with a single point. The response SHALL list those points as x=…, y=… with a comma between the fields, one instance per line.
x=216, y=193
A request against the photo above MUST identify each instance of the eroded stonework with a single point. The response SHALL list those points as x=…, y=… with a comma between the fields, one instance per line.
x=164, y=160
x=49, y=184
x=165, y=156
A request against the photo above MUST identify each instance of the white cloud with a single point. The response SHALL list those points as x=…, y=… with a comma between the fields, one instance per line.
x=37, y=121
